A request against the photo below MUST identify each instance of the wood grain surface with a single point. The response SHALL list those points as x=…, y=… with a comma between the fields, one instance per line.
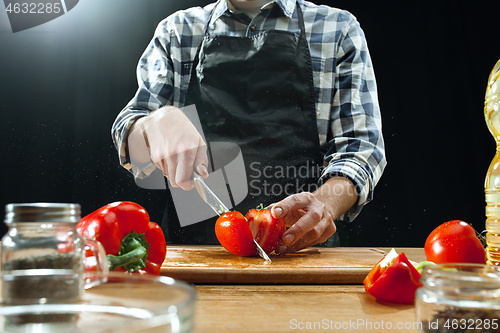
x=303, y=308
x=213, y=264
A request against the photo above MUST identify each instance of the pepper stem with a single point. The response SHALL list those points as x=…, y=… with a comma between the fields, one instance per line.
x=420, y=266
x=132, y=255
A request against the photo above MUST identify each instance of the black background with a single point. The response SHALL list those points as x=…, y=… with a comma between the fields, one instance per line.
x=63, y=83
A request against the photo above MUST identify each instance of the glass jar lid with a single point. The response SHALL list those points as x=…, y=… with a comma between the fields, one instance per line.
x=42, y=212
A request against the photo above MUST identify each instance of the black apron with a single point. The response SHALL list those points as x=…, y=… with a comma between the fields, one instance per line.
x=256, y=92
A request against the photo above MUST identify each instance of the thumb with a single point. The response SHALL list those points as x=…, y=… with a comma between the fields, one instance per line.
x=201, y=160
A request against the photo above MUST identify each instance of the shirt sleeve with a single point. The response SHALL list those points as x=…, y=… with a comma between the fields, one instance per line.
x=155, y=80
x=356, y=147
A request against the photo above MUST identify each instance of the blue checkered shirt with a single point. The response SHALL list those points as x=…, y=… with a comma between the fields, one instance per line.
x=347, y=109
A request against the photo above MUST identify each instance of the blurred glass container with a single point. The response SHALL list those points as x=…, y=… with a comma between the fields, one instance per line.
x=459, y=298
x=43, y=256
x=125, y=303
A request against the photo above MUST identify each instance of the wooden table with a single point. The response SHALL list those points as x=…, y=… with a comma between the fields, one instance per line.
x=304, y=307
x=320, y=303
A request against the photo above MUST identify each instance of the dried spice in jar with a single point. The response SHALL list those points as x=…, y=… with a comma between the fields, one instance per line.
x=52, y=277
x=459, y=297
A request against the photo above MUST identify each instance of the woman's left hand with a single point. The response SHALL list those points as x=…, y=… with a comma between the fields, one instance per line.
x=309, y=221
x=310, y=216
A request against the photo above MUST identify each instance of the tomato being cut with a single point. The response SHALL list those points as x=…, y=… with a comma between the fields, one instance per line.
x=266, y=229
x=236, y=232
x=454, y=241
x=393, y=279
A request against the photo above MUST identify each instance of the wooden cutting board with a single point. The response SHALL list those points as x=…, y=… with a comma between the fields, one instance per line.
x=213, y=265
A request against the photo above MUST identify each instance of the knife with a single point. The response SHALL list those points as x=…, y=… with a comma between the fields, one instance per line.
x=217, y=205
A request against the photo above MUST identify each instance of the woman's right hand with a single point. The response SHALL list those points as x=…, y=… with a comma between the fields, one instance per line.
x=176, y=147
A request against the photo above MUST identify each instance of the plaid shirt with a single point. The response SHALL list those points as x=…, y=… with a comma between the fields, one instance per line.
x=348, y=115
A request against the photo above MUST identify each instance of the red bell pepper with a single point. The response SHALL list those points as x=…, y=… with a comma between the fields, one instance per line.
x=132, y=242
x=393, y=279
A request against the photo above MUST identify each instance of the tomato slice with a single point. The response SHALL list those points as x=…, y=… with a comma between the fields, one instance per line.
x=266, y=230
x=393, y=279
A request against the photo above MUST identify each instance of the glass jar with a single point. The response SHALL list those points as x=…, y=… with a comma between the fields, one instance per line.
x=43, y=256
x=126, y=303
x=459, y=298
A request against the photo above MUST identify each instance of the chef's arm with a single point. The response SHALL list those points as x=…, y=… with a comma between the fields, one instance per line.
x=310, y=216
x=138, y=149
x=356, y=146
x=149, y=132
x=338, y=194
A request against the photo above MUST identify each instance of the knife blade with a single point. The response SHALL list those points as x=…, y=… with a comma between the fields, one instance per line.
x=218, y=206
x=261, y=252
x=208, y=195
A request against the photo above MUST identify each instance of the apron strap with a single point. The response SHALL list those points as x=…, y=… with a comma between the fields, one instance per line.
x=300, y=15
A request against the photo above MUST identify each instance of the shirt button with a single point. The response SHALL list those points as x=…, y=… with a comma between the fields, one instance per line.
x=253, y=27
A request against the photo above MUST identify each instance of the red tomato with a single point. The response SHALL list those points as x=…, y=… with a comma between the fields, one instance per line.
x=234, y=234
x=266, y=230
x=393, y=279
x=454, y=241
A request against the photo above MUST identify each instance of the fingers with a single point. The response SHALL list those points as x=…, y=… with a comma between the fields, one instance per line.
x=201, y=161
x=178, y=168
x=189, y=160
x=315, y=224
x=162, y=165
x=176, y=147
x=313, y=214
x=184, y=170
x=319, y=234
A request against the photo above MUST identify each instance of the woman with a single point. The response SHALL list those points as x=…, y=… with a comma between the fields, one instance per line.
x=289, y=82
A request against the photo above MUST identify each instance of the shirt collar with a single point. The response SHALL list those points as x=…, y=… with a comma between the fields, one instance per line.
x=287, y=6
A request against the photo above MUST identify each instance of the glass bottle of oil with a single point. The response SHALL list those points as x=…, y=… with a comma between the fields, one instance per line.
x=492, y=181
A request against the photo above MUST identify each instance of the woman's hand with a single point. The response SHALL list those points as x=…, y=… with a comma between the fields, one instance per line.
x=311, y=216
x=175, y=146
